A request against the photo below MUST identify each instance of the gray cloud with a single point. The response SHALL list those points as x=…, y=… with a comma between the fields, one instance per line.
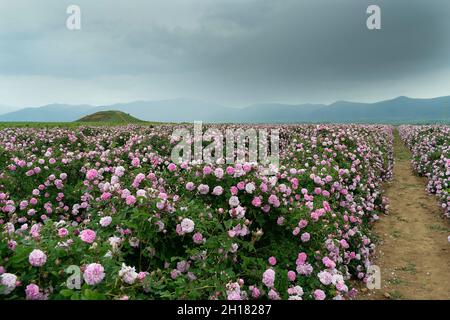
x=226, y=51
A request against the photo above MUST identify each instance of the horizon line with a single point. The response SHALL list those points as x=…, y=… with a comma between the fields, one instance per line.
x=218, y=104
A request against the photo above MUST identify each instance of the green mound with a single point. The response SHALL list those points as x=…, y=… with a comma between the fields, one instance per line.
x=110, y=116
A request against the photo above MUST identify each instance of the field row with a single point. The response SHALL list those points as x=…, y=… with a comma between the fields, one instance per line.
x=430, y=146
x=107, y=209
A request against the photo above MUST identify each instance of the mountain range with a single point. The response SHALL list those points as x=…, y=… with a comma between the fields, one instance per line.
x=398, y=110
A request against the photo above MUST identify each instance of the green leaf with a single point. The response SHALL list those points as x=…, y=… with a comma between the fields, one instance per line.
x=66, y=293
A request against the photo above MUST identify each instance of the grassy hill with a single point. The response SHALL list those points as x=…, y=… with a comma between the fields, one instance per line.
x=110, y=117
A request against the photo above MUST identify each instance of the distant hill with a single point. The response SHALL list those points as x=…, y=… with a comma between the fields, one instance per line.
x=48, y=113
x=398, y=110
x=111, y=116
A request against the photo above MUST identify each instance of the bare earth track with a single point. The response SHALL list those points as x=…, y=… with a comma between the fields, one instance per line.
x=413, y=251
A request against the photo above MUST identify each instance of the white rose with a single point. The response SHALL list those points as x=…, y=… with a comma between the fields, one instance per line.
x=234, y=201
x=128, y=274
x=250, y=187
x=187, y=225
x=9, y=281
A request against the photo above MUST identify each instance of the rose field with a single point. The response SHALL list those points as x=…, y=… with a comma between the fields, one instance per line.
x=106, y=207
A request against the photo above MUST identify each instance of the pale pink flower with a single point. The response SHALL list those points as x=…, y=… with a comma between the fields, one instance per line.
x=128, y=274
x=305, y=237
x=325, y=277
x=62, y=232
x=32, y=292
x=203, y=189
x=8, y=280
x=319, y=295
x=233, y=201
x=190, y=186
x=135, y=162
x=198, y=238
x=91, y=174
x=105, y=221
x=291, y=275
x=256, y=201
x=94, y=274
x=217, y=191
x=105, y=196
x=130, y=200
x=187, y=225
x=269, y=278
x=255, y=292
x=273, y=295
x=37, y=258
x=329, y=263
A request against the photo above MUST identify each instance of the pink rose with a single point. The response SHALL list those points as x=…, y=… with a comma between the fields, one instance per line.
x=272, y=261
x=91, y=174
x=88, y=236
x=62, y=232
x=130, y=200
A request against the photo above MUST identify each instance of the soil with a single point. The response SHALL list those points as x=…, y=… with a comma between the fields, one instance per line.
x=413, y=252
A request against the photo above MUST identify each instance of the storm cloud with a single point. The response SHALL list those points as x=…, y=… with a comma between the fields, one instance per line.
x=232, y=52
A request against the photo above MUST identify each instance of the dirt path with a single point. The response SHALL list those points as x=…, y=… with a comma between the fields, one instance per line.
x=413, y=252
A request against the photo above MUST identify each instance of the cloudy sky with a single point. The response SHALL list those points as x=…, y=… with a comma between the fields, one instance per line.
x=232, y=52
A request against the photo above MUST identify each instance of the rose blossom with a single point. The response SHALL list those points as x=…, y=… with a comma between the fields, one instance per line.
x=9, y=281
x=91, y=174
x=269, y=278
x=62, y=232
x=88, y=236
x=37, y=258
x=187, y=225
x=130, y=200
x=305, y=237
x=272, y=261
x=291, y=275
x=105, y=221
x=128, y=274
x=94, y=274
x=32, y=292
x=319, y=295
x=198, y=238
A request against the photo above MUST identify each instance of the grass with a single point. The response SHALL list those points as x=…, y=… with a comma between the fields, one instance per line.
x=402, y=153
x=110, y=117
x=396, y=234
x=438, y=228
x=410, y=268
x=396, y=295
x=396, y=281
x=69, y=124
x=411, y=186
x=401, y=219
